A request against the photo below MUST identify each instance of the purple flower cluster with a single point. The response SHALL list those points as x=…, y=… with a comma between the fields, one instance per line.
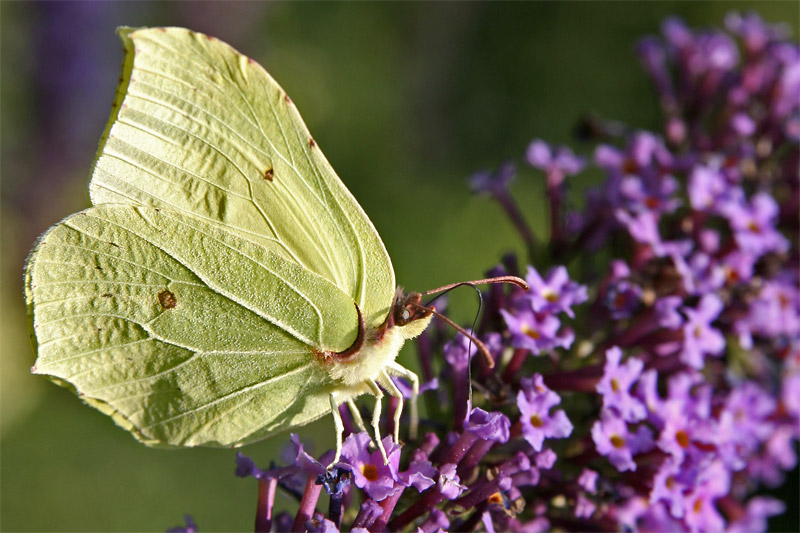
x=655, y=385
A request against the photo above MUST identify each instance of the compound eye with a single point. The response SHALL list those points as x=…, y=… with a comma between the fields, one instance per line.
x=406, y=314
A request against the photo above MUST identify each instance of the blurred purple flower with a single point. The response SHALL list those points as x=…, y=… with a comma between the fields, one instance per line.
x=680, y=428
x=545, y=459
x=669, y=486
x=700, y=512
x=534, y=401
x=790, y=383
x=616, y=383
x=622, y=299
x=744, y=424
x=556, y=162
x=405, y=388
x=613, y=440
x=496, y=182
x=588, y=480
x=775, y=311
x=557, y=293
x=458, y=352
x=667, y=314
x=753, y=225
x=584, y=507
x=699, y=337
x=643, y=227
x=754, y=32
x=531, y=331
x=757, y=511
x=706, y=187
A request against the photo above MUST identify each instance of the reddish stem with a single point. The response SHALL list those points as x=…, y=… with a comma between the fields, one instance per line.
x=388, y=504
x=517, y=360
x=582, y=380
x=307, y=505
x=266, y=500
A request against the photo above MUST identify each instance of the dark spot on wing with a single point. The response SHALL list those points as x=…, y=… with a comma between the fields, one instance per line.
x=312, y=143
x=269, y=174
x=286, y=97
x=115, y=245
x=107, y=295
x=167, y=299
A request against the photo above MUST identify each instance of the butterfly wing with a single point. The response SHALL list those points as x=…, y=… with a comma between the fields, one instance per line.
x=201, y=129
x=184, y=333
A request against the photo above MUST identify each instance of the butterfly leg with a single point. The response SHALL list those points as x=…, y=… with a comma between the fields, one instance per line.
x=387, y=383
x=376, y=418
x=356, y=414
x=396, y=370
x=337, y=423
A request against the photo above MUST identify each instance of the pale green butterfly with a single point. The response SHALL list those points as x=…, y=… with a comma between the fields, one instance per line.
x=225, y=285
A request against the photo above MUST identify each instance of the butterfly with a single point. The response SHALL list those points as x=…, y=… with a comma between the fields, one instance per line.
x=225, y=285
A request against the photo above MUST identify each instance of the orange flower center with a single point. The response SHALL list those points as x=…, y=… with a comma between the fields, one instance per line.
x=682, y=438
x=550, y=296
x=617, y=441
x=370, y=472
x=496, y=498
x=619, y=300
x=614, y=385
x=536, y=421
x=731, y=275
x=532, y=333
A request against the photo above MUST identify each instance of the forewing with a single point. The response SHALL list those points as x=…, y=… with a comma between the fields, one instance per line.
x=185, y=334
x=201, y=129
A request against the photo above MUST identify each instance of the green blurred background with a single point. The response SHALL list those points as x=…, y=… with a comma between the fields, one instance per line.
x=405, y=99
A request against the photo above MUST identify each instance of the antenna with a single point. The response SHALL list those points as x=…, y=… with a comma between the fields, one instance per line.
x=484, y=351
x=514, y=280
x=487, y=357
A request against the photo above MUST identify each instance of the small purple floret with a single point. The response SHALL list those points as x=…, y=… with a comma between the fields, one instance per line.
x=535, y=401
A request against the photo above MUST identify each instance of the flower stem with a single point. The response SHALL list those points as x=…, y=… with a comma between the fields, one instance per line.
x=517, y=360
x=307, y=505
x=388, y=504
x=266, y=500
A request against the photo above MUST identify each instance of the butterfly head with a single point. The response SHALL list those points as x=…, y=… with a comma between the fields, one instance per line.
x=409, y=314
